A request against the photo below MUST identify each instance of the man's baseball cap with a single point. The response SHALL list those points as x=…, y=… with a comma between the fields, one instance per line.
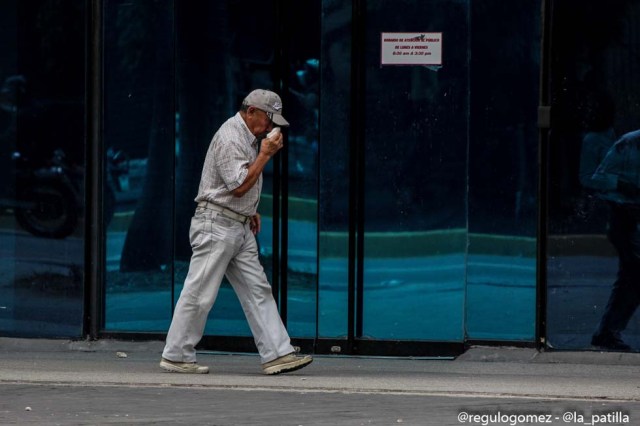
x=269, y=102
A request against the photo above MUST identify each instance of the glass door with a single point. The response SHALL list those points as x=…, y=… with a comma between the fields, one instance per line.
x=392, y=268
x=427, y=231
x=413, y=153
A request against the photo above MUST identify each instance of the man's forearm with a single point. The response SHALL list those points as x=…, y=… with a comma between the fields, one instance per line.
x=254, y=171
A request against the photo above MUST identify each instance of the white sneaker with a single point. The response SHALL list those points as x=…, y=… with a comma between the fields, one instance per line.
x=286, y=363
x=183, y=367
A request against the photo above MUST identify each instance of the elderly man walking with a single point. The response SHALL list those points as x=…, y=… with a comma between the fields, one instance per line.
x=222, y=237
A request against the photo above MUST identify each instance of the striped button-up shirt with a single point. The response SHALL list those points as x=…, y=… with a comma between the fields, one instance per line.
x=232, y=149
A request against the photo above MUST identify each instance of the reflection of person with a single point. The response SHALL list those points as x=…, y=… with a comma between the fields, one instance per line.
x=595, y=143
x=618, y=180
x=223, y=241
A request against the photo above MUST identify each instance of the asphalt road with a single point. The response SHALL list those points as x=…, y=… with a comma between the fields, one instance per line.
x=50, y=404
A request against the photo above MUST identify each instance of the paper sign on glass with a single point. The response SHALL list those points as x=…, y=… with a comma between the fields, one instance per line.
x=411, y=49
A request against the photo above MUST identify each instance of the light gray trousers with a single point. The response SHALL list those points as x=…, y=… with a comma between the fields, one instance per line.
x=224, y=246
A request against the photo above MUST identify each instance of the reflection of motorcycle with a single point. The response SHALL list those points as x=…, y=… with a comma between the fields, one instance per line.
x=117, y=180
x=49, y=197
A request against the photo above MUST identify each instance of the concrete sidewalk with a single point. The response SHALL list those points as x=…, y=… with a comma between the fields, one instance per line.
x=107, y=382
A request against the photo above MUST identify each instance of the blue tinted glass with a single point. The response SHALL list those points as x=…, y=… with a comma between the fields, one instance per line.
x=333, y=198
x=302, y=105
x=436, y=217
x=210, y=90
x=592, y=263
x=416, y=176
x=42, y=169
x=139, y=121
x=503, y=170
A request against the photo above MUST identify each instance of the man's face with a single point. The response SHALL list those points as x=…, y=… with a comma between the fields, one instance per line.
x=258, y=122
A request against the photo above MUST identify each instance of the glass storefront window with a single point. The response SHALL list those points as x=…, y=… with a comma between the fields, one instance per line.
x=42, y=167
x=333, y=171
x=412, y=218
x=415, y=178
x=592, y=293
x=503, y=170
x=432, y=239
x=405, y=204
x=302, y=102
x=139, y=122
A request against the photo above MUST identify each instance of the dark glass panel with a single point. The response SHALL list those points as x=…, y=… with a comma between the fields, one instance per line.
x=595, y=96
x=503, y=170
x=42, y=146
x=139, y=121
x=219, y=60
x=302, y=103
x=416, y=176
x=333, y=198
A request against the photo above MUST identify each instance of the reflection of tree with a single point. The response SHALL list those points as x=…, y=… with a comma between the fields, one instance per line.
x=205, y=92
x=335, y=69
x=148, y=242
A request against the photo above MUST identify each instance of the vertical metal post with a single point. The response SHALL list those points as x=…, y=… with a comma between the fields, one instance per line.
x=94, y=239
x=356, y=181
x=282, y=200
x=544, y=124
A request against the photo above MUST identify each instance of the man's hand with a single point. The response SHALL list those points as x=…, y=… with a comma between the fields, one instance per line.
x=255, y=224
x=270, y=146
x=268, y=149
